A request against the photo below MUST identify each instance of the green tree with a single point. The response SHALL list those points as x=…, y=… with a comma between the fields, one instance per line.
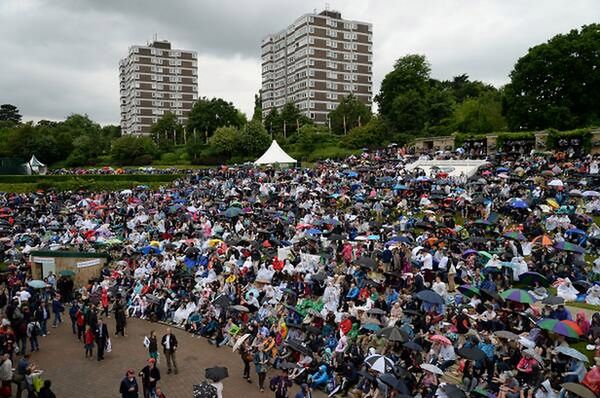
x=253, y=139
x=207, y=116
x=224, y=141
x=166, y=130
x=291, y=119
x=349, y=113
x=480, y=115
x=273, y=122
x=133, y=150
x=557, y=83
x=27, y=140
x=371, y=135
x=463, y=88
x=10, y=113
x=410, y=73
x=257, y=114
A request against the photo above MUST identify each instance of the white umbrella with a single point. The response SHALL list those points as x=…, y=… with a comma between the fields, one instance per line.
x=432, y=368
x=126, y=192
x=380, y=363
x=240, y=341
x=555, y=183
x=571, y=352
x=589, y=194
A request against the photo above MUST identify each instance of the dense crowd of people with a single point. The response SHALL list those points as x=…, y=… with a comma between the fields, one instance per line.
x=359, y=278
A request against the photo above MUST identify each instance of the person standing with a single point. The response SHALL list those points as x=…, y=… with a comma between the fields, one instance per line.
x=169, y=344
x=150, y=376
x=57, y=309
x=280, y=384
x=101, y=334
x=46, y=392
x=247, y=357
x=153, y=345
x=129, y=387
x=33, y=331
x=261, y=360
x=120, y=318
x=88, y=341
x=6, y=376
x=73, y=316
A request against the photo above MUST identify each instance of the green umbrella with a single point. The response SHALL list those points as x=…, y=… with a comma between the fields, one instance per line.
x=67, y=272
x=37, y=284
x=485, y=254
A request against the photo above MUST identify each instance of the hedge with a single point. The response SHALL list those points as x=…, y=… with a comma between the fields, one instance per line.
x=31, y=179
x=585, y=135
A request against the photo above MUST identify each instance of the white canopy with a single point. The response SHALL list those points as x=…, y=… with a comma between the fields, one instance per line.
x=275, y=155
x=35, y=163
x=452, y=167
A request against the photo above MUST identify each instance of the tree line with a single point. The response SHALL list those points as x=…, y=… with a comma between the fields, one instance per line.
x=555, y=85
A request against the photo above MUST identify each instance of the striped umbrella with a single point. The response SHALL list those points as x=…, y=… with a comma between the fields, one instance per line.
x=543, y=240
x=558, y=327
x=469, y=290
x=518, y=296
x=530, y=278
x=379, y=363
x=569, y=247
x=514, y=235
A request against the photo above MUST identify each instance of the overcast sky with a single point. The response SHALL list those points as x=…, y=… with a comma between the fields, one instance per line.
x=61, y=56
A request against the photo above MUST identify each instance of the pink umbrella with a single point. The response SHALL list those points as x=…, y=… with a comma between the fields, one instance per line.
x=441, y=339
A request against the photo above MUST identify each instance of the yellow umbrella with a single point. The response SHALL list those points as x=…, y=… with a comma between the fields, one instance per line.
x=214, y=242
x=553, y=203
x=155, y=243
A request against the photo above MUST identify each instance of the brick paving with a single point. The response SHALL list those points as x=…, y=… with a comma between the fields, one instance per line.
x=62, y=358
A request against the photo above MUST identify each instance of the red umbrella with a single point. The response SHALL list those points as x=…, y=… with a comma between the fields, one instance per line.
x=441, y=339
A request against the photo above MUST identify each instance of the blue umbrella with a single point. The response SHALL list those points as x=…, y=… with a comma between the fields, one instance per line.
x=373, y=237
x=575, y=231
x=352, y=174
x=518, y=203
x=399, y=187
x=150, y=250
x=422, y=178
x=502, y=170
x=314, y=231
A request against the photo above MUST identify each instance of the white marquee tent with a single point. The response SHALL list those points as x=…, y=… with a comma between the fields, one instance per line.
x=275, y=155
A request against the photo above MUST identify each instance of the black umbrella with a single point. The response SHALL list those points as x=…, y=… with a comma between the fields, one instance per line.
x=298, y=346
x=376, y=311
x=472, y=353
x=553, y=300
x=393, y=333
x=429, y=296
x=486, y=293
x=217, y=373
x=221, y=301
x=335, y=237
x=411, y=345
x=311, y=329
x=366, y=375
x=366, y=262
x=393, y=382
x=452, y=391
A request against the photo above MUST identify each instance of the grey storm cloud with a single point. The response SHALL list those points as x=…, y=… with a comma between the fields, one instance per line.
x=61, y=56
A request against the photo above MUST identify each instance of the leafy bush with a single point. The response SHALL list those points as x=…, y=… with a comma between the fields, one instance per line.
x=132, y=150
x=371, y=135
x=331, y=152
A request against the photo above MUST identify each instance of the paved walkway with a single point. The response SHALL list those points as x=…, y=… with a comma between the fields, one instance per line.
x=62, y=358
